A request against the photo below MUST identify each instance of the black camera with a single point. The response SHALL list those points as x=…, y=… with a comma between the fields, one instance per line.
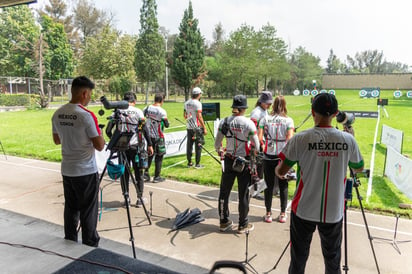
x=114, y=105
x=346, y=119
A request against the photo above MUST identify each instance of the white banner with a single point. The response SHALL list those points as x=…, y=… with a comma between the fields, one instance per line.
x=175, y=143
x=398, y=170
x=392, y=137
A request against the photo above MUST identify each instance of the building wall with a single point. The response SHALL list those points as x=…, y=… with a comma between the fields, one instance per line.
x=402, y=81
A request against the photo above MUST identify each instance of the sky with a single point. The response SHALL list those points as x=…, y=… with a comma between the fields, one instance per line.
x=345, y=26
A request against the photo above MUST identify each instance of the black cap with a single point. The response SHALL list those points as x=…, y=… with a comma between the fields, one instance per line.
x=239, y=101
x=266, y=97
x=325, y=104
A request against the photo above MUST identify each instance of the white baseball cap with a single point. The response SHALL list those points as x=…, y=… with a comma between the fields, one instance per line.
x=197, y=90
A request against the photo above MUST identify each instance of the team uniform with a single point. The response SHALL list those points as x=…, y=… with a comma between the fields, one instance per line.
x=240, y=131
x=130, y=119
x=194, y=132
x=275, y=129
x=322, y=155
x=156, y=121
x=75, y=126
x=257, y=114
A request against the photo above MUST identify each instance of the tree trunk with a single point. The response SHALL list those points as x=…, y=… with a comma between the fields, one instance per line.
x=43, y=100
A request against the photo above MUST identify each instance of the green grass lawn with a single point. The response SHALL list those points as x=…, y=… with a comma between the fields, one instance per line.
x=28, y=134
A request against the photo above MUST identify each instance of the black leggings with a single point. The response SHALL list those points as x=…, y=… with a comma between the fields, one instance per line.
x=226, y=184
x=270, y=177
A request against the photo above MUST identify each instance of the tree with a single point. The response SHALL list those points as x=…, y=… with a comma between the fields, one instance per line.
x=218, y=40
x=19, y=36
x=88, y=19
x=305, y=68
x=58, y=59
x=238, y=62
x=57, y=10
x=188, y=53
x=150, y=48
x=333, y=64
x=271, y=57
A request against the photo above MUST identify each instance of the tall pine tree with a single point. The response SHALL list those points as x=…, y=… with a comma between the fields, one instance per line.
x=188, y=52
x=150, y=50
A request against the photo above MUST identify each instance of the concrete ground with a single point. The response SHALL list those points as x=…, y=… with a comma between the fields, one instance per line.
x=31, y=213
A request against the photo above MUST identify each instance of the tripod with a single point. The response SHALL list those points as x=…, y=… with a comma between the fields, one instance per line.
x=2, y=148
x=246, y=262
x=348, y=197
x=393, y=241
x=120, y=143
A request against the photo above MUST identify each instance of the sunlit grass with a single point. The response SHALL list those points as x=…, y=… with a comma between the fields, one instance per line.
x=28, y=134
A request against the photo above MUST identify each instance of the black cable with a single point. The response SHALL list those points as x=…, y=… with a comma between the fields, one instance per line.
x=67, y=257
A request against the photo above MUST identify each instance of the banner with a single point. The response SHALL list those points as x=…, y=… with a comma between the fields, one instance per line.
x=392, y=137
x=397, y=169
x=175, y=143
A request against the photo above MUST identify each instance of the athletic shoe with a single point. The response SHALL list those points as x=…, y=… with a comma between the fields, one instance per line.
x=158, y=179
x=282, y=218
x=190, y=164
x=146, y=177
x=268, y=218
x=199, y=166
x=139, y=203
x=226, y=226
x=246, y=228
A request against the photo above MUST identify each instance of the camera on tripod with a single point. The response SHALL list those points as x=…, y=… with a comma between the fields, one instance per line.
x=354, y=182
x=346, y=119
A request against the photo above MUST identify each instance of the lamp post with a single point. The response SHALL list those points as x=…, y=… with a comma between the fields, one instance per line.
x=166, y=76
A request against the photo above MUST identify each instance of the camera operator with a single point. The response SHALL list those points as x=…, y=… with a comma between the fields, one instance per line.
x=156, y=121
x=323, y=154
x=195, y=127
x=133, y=120
x=76, y=129
x=238, y=130
x=259, y=113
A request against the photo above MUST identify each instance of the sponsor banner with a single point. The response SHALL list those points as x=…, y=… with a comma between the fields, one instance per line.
x=392, y=137
x=175, y=143
x=397, y=169
x=363, y=114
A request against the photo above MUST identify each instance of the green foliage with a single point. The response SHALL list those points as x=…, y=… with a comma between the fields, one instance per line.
x=58, y=57
x=305, y=68
x=106, y=55
x=188, y=53
x=150, y=48
x=120, y=85
x=15, y=100
x=28, y=134
x=18, y=42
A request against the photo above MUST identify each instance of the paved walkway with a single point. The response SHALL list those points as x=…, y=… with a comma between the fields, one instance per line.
x=31, y=199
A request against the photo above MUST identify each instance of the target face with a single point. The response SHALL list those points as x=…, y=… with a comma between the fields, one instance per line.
x=314, y=92
x=375, y=93
x=409, y=94
x=363, y=93
x=332, y=91
x=296, y=92
x=397, y=93
x=306, y=92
